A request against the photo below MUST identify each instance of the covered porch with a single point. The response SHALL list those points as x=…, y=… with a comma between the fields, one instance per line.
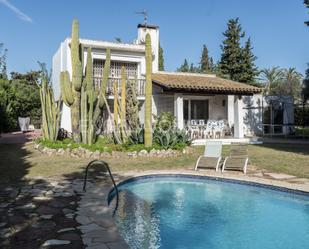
x=206, y=106
x=210, y=116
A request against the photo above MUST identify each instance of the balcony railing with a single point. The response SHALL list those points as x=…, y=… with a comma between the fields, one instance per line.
x=139, y=84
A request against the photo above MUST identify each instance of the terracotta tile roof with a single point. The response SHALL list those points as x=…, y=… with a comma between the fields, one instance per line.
x=201, y=83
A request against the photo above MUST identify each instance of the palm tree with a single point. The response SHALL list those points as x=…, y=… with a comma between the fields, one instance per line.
x=271, y=76
x=292, y=82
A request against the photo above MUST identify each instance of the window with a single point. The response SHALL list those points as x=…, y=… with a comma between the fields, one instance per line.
x=196, y=109
x=115, y=69
x=273, y=118
x=199, y=109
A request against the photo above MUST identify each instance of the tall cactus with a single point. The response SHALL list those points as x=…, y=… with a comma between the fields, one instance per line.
x=123, y=99
x=50, y=109
x=148, y=93
x=71, y=90
x=92, y=101
x=86, y=103
x=116, y=121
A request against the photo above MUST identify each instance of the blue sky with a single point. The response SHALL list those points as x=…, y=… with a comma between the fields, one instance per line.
x=33, y=29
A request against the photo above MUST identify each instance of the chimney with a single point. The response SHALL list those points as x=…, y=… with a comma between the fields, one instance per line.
x=153, y=30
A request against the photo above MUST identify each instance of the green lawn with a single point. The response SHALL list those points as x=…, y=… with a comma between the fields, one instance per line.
x=23, y=162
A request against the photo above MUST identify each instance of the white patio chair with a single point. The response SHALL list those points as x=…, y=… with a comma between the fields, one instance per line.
x=24, y=123
x=193, y=131
x=238, y=158
x=212, y=154
x=208, y=130
x=219, y=128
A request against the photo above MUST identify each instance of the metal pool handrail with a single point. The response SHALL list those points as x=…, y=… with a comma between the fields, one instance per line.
x=105, y=164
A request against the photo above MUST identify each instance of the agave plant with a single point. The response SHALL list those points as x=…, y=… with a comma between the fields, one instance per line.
x=137, y=136
x=171, y=138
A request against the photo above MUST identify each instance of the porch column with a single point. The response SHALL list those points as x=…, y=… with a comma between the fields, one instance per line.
x=238, y=118
x=178, y=110
x=230, y=110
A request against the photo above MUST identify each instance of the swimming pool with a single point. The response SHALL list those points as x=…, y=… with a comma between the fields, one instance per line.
x=170, y=212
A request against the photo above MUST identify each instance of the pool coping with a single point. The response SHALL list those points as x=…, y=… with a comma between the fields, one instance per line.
x=111, y=193
x=273, y=184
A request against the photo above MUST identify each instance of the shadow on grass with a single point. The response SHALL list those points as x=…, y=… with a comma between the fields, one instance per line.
x=302, y=149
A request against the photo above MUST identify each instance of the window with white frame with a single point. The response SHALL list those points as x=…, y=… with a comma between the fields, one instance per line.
x=115, y=68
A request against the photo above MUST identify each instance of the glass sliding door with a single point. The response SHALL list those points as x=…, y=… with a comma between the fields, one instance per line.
x=195, y=109
x=199, y=109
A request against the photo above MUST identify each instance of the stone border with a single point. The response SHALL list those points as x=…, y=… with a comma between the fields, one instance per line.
x=84, y=153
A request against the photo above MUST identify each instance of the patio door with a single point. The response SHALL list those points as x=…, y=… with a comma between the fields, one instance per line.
x=196, y=109
x=273, y=119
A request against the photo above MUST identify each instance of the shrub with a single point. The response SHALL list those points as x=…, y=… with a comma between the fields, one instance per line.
x=302, y=131
x=137, y=136
x=165, y=122
x=172, y=139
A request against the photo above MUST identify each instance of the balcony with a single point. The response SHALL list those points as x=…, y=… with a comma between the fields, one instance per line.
x=140, y=85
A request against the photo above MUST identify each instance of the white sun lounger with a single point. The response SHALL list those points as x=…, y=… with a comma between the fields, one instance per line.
x=238, y=158
x=212, y=155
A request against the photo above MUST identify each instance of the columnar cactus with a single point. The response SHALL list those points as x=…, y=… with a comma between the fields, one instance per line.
x=148, y=93
x=86, y=103
x=50, y=109
x=116, y=105
x=71, y=90
x=92, y=101
x=123, y=99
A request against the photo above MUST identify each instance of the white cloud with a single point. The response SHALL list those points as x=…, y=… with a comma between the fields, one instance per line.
x=17, y=11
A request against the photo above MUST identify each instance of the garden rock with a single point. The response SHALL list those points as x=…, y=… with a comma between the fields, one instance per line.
x=96, y=154
x=132, y=154
x=105, y=155
x=61, y=152
x=143, y=153
x=88, y=153
x=84, y=153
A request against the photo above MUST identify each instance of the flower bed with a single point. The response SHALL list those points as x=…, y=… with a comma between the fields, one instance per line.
x=101, y=150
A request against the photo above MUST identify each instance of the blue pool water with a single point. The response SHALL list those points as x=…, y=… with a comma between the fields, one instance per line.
x=189, y=213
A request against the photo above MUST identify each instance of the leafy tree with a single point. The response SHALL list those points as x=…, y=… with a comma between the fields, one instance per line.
x=306, y=2
x=30, y=77
x=194, y=69
x=161, y=58
x=249, y=70
x=191, y=68
x=291, y=84
x=3, y=57
x=231, y=57
x=212, y=65
x=271, y=77
x=7, y=119
x=205, y=61
x=207, y=64
x=282, y=82
x=19, y=97
x=237, y=62
x=305, y=90
x=184, y=67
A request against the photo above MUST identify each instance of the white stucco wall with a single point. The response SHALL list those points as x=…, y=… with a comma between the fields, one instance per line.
x=252, y=114
x=217, y=110
x=164, y=103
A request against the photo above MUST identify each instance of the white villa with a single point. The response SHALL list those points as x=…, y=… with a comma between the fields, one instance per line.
x=194, y=99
